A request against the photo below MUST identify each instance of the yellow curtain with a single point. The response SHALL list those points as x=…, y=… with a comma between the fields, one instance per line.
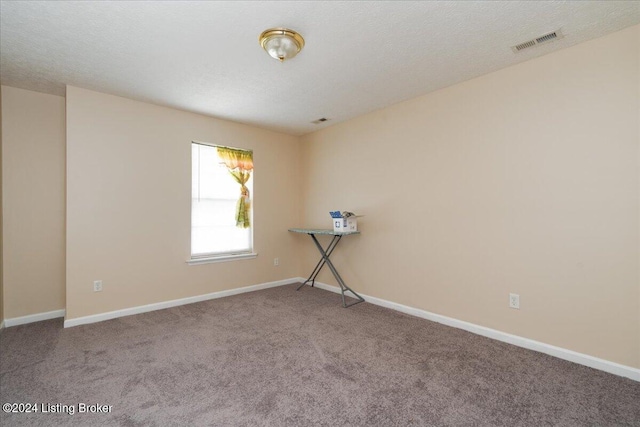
x=240, y=164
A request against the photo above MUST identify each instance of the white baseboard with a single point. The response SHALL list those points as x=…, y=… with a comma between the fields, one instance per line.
x=23, y=320
x=559, y=352
x=173, y=303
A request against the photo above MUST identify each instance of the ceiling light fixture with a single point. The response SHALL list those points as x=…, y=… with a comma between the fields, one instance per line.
x=281, y=43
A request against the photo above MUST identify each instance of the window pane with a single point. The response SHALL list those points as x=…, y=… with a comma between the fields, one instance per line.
x=213, y=207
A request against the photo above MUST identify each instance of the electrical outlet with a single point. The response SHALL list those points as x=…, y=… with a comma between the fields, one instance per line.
x=276, y=262
x=97, y=286
x=514, y=301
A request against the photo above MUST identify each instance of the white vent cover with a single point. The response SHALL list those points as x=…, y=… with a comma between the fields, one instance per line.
x=549, y=37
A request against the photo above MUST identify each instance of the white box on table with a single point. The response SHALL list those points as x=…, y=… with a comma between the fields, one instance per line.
x=344, y=224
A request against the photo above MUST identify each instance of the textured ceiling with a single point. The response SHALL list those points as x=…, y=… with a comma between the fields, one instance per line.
x=205, y=57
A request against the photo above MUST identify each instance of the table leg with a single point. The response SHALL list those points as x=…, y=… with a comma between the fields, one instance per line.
x=343, y=287
x=320, y=264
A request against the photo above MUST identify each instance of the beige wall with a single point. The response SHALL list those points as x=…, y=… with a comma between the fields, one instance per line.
x=33, y=176
x=524, y=180
x=129, y=203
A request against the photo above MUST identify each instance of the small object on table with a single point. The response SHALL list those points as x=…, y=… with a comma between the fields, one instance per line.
x=326, y=253
x=344, y=221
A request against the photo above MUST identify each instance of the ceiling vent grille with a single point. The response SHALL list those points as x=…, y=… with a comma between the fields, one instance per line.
x=538, y=40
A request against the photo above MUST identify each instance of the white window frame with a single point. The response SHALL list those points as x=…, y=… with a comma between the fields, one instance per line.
x=207, y=258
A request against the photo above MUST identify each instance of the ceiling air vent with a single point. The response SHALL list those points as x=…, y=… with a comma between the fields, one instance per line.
x=538, y=40
x=317, y=122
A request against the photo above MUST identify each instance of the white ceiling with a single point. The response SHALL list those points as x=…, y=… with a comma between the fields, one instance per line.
x=359, y=56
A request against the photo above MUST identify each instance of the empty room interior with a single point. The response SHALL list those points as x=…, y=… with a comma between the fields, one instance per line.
x=361, y=213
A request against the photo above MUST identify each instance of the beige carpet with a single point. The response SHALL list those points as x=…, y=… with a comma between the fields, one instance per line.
x=284, y=358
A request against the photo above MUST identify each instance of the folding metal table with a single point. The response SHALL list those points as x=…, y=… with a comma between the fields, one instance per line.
x=326, y=253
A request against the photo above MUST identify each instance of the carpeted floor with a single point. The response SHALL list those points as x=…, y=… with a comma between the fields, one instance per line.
x=279, y=357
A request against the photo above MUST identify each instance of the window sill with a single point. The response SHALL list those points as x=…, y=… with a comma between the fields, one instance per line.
x=220, y=258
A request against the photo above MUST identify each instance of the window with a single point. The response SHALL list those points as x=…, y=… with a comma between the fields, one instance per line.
x=221, y=219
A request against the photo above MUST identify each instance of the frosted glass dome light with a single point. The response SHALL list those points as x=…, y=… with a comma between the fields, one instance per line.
x=281, y=43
